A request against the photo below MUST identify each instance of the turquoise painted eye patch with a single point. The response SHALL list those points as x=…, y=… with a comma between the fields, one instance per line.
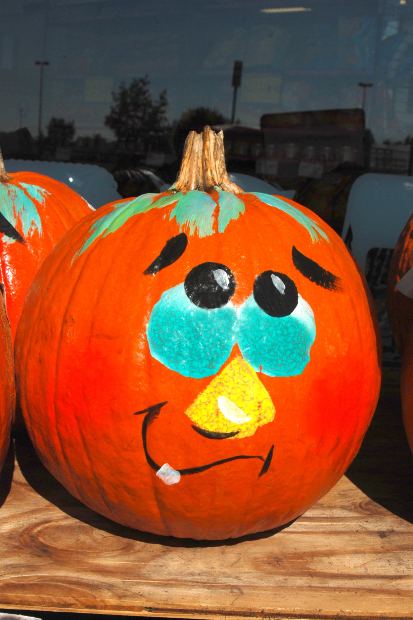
x=194, y=326
x=276, y=346
x=190, y=340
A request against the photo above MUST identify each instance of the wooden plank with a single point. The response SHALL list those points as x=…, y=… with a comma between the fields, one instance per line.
x=350, y=556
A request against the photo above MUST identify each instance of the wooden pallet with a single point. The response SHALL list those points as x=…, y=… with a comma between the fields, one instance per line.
x=350, y=556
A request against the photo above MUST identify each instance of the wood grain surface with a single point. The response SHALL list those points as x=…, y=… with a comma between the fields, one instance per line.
x=350, y=556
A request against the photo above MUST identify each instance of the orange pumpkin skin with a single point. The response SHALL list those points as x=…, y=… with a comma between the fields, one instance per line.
x=7, y=389
x=90, y=382
x=41, y=210
x=400, y=307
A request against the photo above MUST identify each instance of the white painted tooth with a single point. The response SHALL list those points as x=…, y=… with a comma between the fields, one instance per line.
x=231, y=411
x=168, y=474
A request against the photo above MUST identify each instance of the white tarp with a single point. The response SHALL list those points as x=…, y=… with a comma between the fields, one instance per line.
x=405, y=284
x=17, y=617
x=93, y=182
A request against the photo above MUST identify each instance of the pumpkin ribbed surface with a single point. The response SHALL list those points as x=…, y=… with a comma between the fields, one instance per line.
x=35, y=213
x=195, y=366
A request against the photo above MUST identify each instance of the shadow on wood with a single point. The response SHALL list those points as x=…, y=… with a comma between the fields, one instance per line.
x=383, y=469
x=6, y=475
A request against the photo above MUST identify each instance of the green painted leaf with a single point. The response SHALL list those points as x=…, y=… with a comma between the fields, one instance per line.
x=165, y=201
x=230, y=208
x=275, y=201
x=195, y=210
x=112, y=221
x=18, y=203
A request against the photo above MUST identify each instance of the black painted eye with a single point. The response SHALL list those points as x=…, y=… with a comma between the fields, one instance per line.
x=275, y=293
x=210, y=285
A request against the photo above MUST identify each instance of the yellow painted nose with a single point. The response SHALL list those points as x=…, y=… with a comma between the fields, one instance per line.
x=234, y=402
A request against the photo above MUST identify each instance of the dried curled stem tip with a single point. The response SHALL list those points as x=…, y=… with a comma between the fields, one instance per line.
x=215, y=170
x=4, y=177
x=190, y=173
x=203, y=164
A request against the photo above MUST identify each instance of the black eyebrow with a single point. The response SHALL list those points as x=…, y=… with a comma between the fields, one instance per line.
x=314, y=272
x=172, y=250
x=8, y=229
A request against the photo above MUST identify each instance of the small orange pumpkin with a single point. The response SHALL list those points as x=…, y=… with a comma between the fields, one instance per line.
x=400, y=306
x=200, y=363
x=35, y=212
x=7, y=391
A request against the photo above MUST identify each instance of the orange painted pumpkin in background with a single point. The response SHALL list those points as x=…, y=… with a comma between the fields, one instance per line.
x=35, y=212
x=7, y=390
x=198, y=363
x=400, y=306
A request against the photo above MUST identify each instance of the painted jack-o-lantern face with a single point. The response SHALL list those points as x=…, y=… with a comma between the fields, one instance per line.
x=35, y=212
x=199, y=364
x=195, y=326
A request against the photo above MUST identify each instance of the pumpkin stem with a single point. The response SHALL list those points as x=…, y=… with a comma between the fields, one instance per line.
x=4, y=177
x=203, y=164
x=190, y=173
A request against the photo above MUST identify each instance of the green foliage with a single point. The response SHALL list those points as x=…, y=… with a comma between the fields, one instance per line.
x=60, y=132
x=195, y=119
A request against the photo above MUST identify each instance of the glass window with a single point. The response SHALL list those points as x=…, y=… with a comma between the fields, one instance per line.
x=300, y=86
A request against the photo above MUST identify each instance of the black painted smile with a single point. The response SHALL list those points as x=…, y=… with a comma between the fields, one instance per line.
x=151, y=413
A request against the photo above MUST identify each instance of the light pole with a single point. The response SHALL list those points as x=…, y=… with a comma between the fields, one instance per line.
x=364, y=86
x=236, y=83
x=42, y=64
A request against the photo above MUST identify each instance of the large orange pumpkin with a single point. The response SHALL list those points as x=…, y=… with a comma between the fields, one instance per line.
x=7, y=391
x=200, y=363
x=35, y=212
x=400, y=305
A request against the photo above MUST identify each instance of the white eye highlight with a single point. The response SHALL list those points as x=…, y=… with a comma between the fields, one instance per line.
x=278, y=283
x=222, y=278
